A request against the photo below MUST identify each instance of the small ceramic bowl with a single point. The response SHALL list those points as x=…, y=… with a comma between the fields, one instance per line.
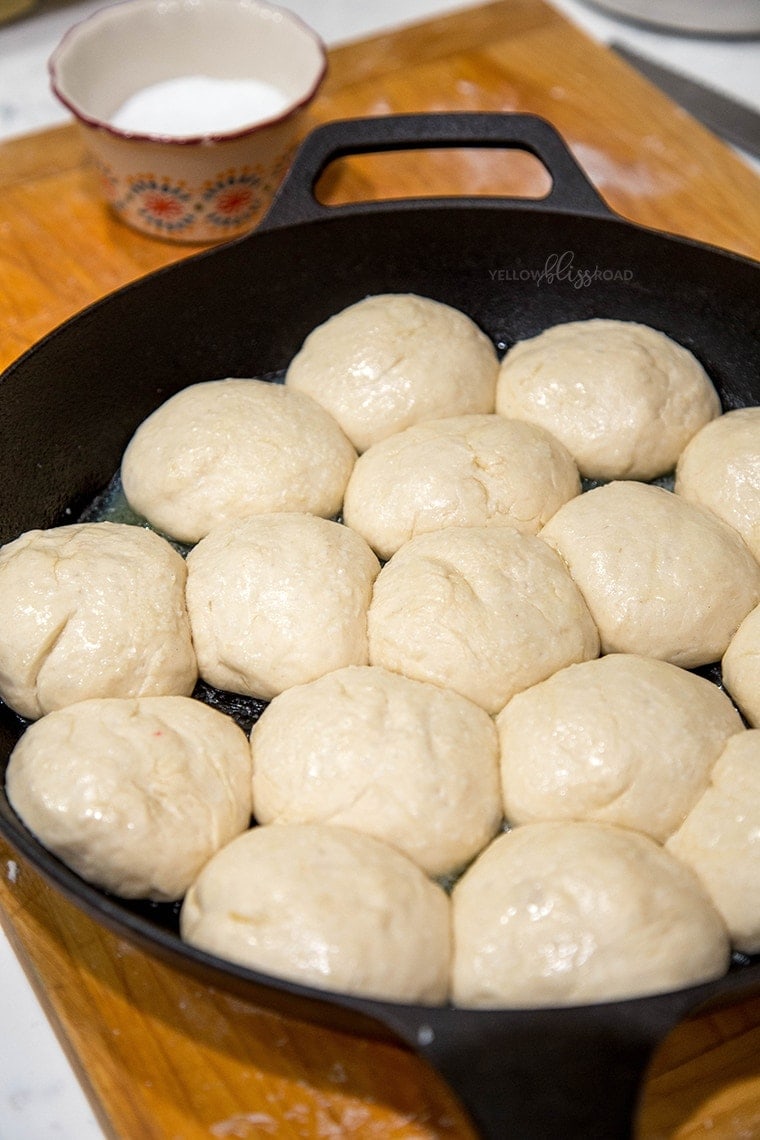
x=189, y=186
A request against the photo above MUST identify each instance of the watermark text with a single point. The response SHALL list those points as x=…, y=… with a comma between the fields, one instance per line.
x=561, y=267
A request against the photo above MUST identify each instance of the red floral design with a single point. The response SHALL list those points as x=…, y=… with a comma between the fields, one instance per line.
x=166, y=206
x=233, y=197
x=163, y=206
x=234, y=201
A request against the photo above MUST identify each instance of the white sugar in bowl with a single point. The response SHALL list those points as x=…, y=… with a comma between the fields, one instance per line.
x=191, y=109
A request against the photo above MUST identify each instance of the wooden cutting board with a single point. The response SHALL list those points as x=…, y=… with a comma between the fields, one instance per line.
x=159, y=1056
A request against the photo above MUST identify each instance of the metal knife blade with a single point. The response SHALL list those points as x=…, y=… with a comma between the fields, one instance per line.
x=732, y=120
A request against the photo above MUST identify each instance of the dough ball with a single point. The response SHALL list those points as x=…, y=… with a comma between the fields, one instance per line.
x=92, y=610
x=662, y=577
x=623, y=739
x=134, y=795
x=324, y=906
x=740, y=667
x=720, y=839
x=720, y=469
x=567, y=913
x=485, y=611
x=278, y=600
x=392, y=360
x=624, y=398
x=463, y=471
x=407, y=762
x=224, y=449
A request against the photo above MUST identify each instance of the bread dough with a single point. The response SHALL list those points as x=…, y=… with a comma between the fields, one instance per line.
x=393, y=360
x=568, y=913
x=462, y=471
x=623, y=739
x=134, y=795
x=740, y=667
x=662, y=577
x=485, y=611
x=624, y=398
x=324, y=906
x=408, y=762
x=92, y=610
x=277, y=600
x=720, y=839
x=224, y=449
x=720, y=468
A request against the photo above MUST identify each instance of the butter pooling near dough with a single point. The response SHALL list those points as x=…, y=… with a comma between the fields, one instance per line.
x=485, y=611
x=324, y=906
x=720, y=839
x=221, y=450
x=409, y=762
x=662, y=577
x=569, y=913
x=134, y=795
x=476, y=470
x=392, y=360
x=277, y=600
x=622, y=739
x=623, y=397
x=92, y=610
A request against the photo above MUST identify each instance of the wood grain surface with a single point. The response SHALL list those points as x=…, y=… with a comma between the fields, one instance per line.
x=160, y=1056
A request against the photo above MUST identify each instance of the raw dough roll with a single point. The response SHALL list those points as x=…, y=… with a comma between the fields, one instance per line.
x=324, y=906
x=624, y=398
x=568, y=913
x=224, y=449
x=720, y=469
x=461, y=471
x=92, y=610
x=134, y=795
x=662, y=577
x=623, y=739
x=277, y=600
x=485, y=611
x=740, y=667
x=407, y=762
x=393, y=360
x=720, y=839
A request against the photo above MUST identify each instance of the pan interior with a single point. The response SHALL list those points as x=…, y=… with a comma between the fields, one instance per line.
x=70, y=405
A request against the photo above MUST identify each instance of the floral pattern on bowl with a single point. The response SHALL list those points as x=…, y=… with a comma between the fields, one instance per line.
x=199, y=188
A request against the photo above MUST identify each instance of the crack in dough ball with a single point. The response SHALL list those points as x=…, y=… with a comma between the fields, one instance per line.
x=624, y=398
x=623, y=739
x=720, y=839
x=92, y=610
x=740, y=667
x=324, y=906
x=407, y=762
x=392, y=360
x=133, y=795
x=720, y=469
x=224, y=449
x=569, y=913
x=485, y=611
x=662, y=577
x=461, y=471
x=277, y=600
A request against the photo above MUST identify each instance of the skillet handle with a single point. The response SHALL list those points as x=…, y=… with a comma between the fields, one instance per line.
x=576, y=1073
x=571, y=191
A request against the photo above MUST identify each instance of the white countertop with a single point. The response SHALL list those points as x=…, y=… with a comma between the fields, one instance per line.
x=40, y=1099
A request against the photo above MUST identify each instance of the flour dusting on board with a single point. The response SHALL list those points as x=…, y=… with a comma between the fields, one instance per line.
x=244, y=1124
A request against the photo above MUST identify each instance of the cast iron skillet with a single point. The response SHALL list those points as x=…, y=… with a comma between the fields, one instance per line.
x=69, y=406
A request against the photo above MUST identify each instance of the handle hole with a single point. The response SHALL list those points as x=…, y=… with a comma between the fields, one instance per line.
x=446, y=172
